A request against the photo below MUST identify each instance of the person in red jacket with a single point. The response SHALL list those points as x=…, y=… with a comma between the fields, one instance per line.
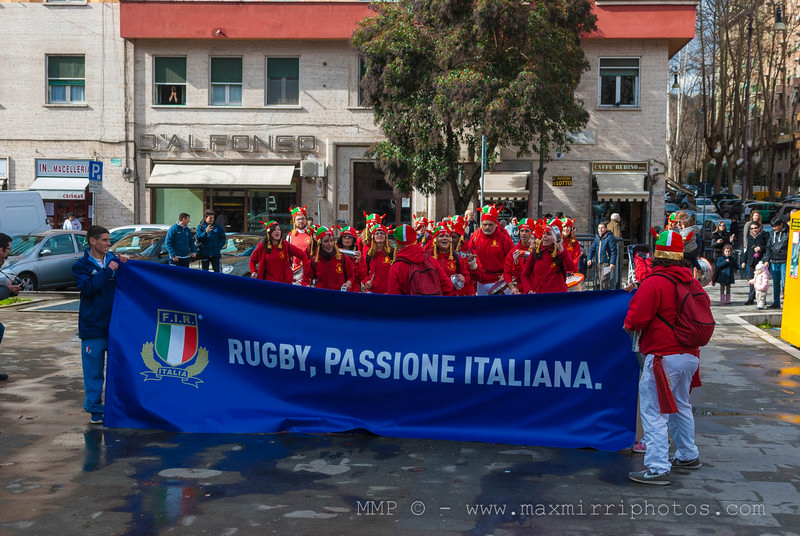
x=347, y=245
x=492, y=244
x=669, y=367
x=328, y=268
x=271, y=259
x=378, y=260
x=515, y=260
x=365, y=236
x=571, y=243
x=300, y=235
x=411, y=257
x=549, y=263
x=457, y=267
x=457, y=229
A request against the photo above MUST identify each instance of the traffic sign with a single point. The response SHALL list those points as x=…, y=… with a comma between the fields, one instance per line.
x=95, y=176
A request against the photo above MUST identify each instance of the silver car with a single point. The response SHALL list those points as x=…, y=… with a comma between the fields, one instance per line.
x=44, y=260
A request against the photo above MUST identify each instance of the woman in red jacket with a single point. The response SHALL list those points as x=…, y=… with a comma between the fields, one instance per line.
x=457, y=229
x=347, y=243
x=328, y=268
x=515, y=260
x=271, y=259
x=378, y=260
x=571, y=243
x=457, y=267
x=547, y=267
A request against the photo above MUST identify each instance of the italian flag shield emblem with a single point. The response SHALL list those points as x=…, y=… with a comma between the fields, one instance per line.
x=176, y=337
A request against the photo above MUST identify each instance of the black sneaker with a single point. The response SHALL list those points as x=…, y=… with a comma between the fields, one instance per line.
x=97, y=418
x=774, y=306
x=3, y=377
x=749, y=302
x=686, y=464
x=649, y=477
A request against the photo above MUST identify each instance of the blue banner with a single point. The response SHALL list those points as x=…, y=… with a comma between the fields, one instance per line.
x=204, y=352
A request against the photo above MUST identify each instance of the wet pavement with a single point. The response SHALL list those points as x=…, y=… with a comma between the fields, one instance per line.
x=59, y=475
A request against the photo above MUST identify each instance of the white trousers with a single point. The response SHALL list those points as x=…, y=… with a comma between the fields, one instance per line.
x=657, y=426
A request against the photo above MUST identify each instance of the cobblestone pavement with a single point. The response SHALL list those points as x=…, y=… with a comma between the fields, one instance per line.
x=58, y=475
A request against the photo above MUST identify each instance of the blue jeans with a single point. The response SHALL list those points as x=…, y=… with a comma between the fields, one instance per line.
x=93, y=354
x=777, y=271
x=749, y=273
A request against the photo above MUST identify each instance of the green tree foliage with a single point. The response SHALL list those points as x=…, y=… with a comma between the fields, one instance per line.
x=442, y=73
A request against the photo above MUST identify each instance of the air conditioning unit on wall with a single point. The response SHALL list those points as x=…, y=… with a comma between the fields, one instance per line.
x=312, y=168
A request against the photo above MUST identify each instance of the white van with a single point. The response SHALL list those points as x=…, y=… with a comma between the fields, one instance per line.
x=22, y=212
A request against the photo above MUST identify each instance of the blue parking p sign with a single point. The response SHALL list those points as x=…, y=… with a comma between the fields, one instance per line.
x=95, y=176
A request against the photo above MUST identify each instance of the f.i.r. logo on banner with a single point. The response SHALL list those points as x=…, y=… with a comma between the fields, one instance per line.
x=177, y=354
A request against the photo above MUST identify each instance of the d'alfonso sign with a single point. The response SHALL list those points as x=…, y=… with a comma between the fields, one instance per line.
x=562, y=181
x=222, y=142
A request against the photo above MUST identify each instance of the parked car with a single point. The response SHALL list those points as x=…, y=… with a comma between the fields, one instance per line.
x=44, y=260
x=236, y=253
x=766, y=208
x=704, y=204
x=669, y=208
x=729, y=207
x=118, y=232
x=716, y=198
x=143, y=246
x=786, y=210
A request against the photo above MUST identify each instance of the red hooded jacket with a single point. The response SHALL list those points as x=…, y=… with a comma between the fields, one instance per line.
x=543, y=273
x=491, y=251
x=514, y=271
x=399, y=272
x=276, y=264
x=657, y=295
x=329, y=273
x=378, y=275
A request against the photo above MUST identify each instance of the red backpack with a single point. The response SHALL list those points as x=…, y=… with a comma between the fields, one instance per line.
x=423, y=278
x=694, y=323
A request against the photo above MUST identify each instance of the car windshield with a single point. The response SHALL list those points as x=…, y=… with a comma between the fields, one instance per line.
x=138, y=244
x=22, y=245
x=240, y=245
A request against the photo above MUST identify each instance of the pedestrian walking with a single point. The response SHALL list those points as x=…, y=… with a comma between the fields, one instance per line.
x=754, y=252
x=95, y=274
x=724, y=274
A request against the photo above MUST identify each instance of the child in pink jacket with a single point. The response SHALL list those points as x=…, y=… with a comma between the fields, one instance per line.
x=761, y=283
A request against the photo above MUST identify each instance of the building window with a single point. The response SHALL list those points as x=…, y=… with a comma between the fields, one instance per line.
x=226, y=81
x=283, y=81
x=170, y=80
x=619, y=81
x=66, y=79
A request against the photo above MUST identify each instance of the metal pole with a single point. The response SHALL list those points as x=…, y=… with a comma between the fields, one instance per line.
x=483, y=167
x=745, y=167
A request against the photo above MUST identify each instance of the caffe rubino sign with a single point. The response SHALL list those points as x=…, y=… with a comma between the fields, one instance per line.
x=619, y=167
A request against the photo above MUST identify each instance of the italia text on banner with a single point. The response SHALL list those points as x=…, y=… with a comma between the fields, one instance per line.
x=204, y=352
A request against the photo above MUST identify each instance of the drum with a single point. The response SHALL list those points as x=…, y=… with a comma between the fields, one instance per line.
x=297, y=276
x=704, y=276
x=575, y=282
x=498, y=288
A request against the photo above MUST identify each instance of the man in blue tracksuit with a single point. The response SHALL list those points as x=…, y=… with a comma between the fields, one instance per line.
x=180, y=243
x=210, y=240
x=604, y=254
x=95, y=275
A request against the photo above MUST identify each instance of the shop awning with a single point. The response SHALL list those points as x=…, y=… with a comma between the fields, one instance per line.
x=620, y=187
x=61, y=187
x=221, y=176
x=511, y=185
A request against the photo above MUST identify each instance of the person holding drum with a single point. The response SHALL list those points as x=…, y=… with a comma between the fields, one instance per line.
x=492, y=244
x=515, y=260
x=549, y=263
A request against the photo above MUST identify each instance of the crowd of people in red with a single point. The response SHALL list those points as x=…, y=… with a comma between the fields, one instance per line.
x=437, y=258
